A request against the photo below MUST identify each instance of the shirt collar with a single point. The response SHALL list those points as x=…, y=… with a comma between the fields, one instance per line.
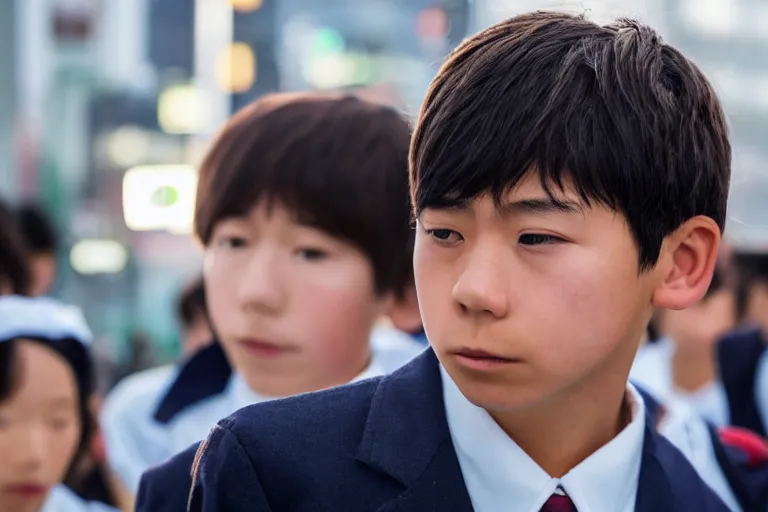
x=497, y=471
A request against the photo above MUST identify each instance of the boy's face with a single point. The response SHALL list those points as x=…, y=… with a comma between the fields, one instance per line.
x=554, y=293
x=293, y=306
x=697, y=328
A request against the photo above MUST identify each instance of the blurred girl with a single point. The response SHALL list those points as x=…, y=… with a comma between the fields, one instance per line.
x=45, y=418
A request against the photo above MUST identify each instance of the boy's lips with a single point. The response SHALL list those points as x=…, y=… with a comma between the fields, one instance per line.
x=28, y=490
x=478, y=359
x=264, y=348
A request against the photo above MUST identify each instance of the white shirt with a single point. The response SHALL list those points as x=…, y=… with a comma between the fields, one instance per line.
x=652, y=369
x=136, y=442
x=194, y=424
x=130, y=432
x=61, y=499
x=499, y=475
x=685, y=429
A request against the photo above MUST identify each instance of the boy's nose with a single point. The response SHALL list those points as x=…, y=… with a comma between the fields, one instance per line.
x=260, y=285
x=481, y=287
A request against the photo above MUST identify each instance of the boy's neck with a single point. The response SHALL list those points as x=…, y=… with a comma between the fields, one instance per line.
x=692, y=370
x=271, y=389
x=566, y=430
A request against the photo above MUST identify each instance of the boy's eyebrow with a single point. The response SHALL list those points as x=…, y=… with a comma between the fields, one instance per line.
x=534, y=205
x=540, y=206
x=60, y=402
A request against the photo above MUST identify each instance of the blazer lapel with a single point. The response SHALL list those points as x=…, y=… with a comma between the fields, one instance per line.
x=440, y=488
x=654, y=491
x=407, y=437
x=668, y=481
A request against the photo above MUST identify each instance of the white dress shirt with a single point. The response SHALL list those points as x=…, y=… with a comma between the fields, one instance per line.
x=136, y=442
x=194, y=424
x=500, y=476
x=131, y=435
x=652, y=370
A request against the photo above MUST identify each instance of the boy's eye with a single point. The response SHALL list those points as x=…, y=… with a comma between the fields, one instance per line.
x=59, y=423
x=538, y=239
x=444, y=236
x=312, y=254
x=232, y=242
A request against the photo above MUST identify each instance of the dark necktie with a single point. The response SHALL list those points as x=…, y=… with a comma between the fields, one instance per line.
x=559, y=503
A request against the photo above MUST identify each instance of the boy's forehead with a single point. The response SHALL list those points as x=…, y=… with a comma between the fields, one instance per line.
x=269, y=208
x=534, y=185
x=530, y=194
x=279, y=214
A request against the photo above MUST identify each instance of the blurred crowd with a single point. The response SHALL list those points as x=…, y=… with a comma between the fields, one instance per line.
x=304, y=217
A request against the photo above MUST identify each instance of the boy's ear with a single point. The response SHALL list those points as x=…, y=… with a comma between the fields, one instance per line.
x=686, y=263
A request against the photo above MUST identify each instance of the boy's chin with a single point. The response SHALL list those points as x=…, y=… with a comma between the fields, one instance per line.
x=499, y=397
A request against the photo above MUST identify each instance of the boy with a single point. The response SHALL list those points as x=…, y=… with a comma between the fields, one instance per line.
x=743, y=355
x=682, y=367
x=301, y=260
x=567, y=179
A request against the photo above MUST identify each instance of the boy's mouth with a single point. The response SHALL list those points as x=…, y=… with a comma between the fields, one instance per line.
x=27, y=490
x=263, y=348
x=481, y=360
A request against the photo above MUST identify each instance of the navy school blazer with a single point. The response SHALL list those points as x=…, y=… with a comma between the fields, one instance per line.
x=379, y=445
x=738, y=355
x=166, y=487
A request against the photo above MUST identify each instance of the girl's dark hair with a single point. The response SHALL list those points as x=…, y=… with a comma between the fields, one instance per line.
x=78, y=358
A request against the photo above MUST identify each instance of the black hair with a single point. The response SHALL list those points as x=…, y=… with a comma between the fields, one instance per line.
x=627, y=119
x=14, y=257
x=191, y=304
x=77, y=356
x=37, y=229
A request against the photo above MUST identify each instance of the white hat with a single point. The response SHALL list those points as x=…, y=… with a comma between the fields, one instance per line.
x=41, y=317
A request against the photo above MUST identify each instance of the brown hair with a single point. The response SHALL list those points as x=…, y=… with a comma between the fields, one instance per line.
x=338, y=163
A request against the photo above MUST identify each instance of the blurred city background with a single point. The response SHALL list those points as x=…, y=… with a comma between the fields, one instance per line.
x=106, y=106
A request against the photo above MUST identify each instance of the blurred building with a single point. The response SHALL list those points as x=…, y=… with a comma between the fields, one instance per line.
x=8, y=50
x=106, y=107
x=112, y=103
x=728, y=39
